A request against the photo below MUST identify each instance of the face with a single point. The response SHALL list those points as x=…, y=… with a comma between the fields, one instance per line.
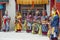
x=43, y=13
x=53, y=14
x=36, y=14
x=6, y=13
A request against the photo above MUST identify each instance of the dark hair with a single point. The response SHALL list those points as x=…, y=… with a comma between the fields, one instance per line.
x=30, y=13
x=56, y=13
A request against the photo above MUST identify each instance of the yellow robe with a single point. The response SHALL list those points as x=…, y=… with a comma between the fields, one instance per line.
x=18, y=25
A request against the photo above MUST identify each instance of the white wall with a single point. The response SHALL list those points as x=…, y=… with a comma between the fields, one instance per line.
x=11, y=12
x=48, y=8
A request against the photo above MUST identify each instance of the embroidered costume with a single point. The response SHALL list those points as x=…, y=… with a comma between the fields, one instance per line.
x=18, y=22
x=6, y=22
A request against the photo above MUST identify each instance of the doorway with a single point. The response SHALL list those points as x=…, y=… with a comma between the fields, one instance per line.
x=2, y=12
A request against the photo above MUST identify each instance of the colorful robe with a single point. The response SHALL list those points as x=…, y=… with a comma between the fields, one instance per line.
x=29, y=23
x=6, y=22
x=44, y=26
x=18, y=24
x=55, y=23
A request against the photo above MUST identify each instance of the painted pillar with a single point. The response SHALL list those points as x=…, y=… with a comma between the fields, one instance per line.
x=11, y=7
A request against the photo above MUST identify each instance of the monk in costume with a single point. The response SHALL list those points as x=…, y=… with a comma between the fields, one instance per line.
x=18, y=22
x=44, y=18
x=6, y=22
x=54, y=25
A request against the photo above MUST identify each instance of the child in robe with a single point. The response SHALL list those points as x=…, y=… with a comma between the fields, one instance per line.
x=29, y=23
x=44, y=17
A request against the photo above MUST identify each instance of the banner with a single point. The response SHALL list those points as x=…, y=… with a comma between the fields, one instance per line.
x=52, y=3
x=26, y=2
x=32, y=3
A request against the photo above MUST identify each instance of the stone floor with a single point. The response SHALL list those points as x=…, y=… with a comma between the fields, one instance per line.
x=21, y=36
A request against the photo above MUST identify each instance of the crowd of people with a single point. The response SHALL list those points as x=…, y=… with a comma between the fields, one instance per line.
x=42, y=25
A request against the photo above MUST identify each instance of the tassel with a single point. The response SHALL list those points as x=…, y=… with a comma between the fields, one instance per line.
x=33, y=28
x=40, y=30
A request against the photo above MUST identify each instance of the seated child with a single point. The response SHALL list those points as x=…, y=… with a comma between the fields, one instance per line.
x=44, y=18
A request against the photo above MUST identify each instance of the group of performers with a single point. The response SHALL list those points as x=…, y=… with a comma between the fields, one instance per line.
x=42, y=25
